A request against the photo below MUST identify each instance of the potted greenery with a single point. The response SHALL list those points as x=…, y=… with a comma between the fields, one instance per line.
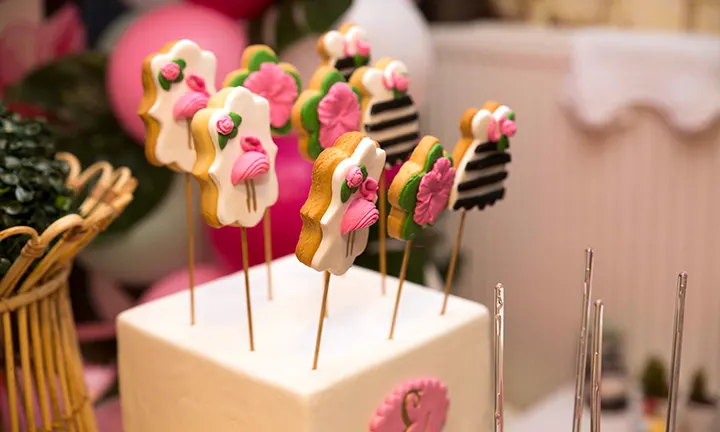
x=655, y=388
x=700, y=410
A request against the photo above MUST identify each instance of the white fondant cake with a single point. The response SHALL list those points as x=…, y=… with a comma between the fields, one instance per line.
x=178, y=378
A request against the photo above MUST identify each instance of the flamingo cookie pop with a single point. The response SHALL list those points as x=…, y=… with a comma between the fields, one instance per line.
x=177, y=82
x=345, y=49
x=279, y=83
x=390, y=116
x=329, y=108
x=481, y=156
x=236, y=158
x=341, y=205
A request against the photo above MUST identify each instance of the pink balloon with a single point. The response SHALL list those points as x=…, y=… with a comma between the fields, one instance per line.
x=150, y=33
x=294, y=177
x=236, y=9
x=179, y=280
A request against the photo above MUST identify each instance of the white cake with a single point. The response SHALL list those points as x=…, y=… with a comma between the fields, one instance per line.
x=178, y=378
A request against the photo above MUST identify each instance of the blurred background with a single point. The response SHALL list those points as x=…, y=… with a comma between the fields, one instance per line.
x=618, y=149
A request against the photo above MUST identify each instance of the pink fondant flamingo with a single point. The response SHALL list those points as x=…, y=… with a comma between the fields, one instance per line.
x=250, y=165
x=361, y=213
x=191, y=102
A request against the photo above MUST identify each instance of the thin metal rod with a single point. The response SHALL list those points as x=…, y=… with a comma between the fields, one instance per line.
x=453, y=262
x=582, y=349
x=326, y=289
x=596, y=380
x=676, y=352
x=403, y=271
x=499, y=324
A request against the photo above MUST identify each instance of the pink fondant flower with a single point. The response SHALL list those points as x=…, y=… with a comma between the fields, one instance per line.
x=508, y=127
x=225, y=125
x=354, y=177
x=363, y=48
x=338, y=113
x=494, y=131
x=369, y=189
x=433, y=193
x=196, y=83
x=397, y=82
x=359, y=47
x=170, y=71
x=278, y=87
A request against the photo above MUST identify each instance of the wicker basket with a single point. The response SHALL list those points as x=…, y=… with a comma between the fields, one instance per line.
x=41, y=363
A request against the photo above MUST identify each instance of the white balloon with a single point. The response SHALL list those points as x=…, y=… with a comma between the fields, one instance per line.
x=154, y=247
x=112, y=33
x=147, y=4
x=396, y=29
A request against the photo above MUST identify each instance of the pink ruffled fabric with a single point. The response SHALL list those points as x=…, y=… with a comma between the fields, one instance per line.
x=278, y=87
x=434, y=191
x=338, y=112
x=360, y=214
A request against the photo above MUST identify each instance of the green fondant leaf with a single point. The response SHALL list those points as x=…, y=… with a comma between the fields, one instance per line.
x=282, y=130
x=503, y=143
x=408, y=194
x=165, y=84
x=435, y=153
x=181, y=63
x=397, y=94
x=260, y=57
x=179, y=78
x=236, y=118
x=222, y=141
x=360, y=60
x=330, y=79
x=410, y=229
x=233, y=134
x=346, y=192
x=297, y=79
x=239, y=79
x=511, y=115
x=314, y=147
x=309, y=113
x=357, y=93
x=363, y=170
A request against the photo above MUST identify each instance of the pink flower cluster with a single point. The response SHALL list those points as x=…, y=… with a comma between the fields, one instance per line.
x=434, y=192
x=505, y=127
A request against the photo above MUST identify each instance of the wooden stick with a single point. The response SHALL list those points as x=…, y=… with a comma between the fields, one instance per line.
x=191, y=246
x=582, y=349
x=678, y=331
x=323, y=315
x=267, y=230
x=382, y=232
x=403, y=271
x=596, y=373
x=453, y=261
x=243, y=233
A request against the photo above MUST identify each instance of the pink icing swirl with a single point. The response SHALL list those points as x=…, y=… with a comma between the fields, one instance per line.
x=277, y=86
x=196, y=83
x=396, y=81
x=189, y=104
x=417, y=405
x=170, y=71
x=434, y=191
x=338, y=112
x=225, y=125
x=354, y=177
x=369, y=189
x=359, y=214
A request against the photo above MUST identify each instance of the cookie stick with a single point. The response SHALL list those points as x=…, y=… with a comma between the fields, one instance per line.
x=391, y=118
x=236, y=165
x=480, y=157
x=177, y=82
x=339, y=210
x=279, y=83
x=418, y=195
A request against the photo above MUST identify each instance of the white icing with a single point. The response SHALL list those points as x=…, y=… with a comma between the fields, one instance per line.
x=330, y=255
x=479, y=126
x=373, y=81
x=334, y=43
x=232, y=200
x=179, y=378
x=353, y=35
x=173, y=139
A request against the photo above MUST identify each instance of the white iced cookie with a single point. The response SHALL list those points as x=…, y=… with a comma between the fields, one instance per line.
x=481, y=156
x=177, y=82
x=345, y=49
x=390, y=116
x=235, y=158
x=341, y=206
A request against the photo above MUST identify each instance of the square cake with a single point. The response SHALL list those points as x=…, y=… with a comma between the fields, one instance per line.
x=435, y=371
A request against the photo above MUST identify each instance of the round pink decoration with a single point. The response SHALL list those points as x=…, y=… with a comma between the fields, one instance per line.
x=418, y=405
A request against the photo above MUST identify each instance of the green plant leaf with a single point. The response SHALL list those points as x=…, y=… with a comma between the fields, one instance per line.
x=331, y=79
x=408, y=194
x=23, y=195
x=287, y=29
x=320, y=15
x=435, y=153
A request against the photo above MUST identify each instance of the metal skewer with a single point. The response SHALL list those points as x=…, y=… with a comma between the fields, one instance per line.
x=596, y=396
x=499, y=328
x=582, y=351
x=676, y=352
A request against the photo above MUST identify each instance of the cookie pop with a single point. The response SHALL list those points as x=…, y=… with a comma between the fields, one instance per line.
x=481, y=157
x=177, y=82
x=345, y=49
x=236, y=166
x=418, y=195
x=339, y=210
